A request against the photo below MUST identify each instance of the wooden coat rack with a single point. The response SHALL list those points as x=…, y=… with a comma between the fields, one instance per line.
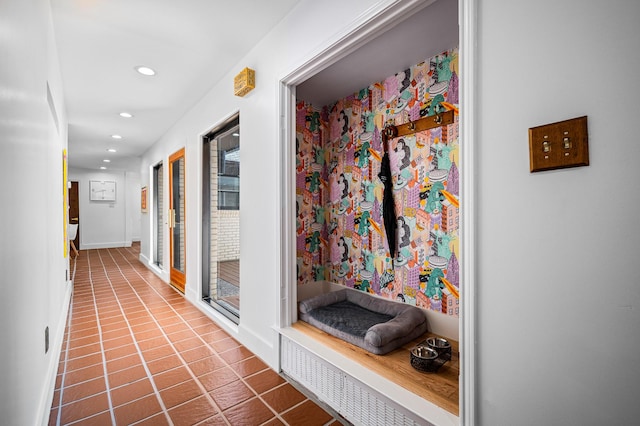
x=391, y=131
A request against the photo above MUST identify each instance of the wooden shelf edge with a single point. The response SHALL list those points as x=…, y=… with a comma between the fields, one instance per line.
x=364, y=367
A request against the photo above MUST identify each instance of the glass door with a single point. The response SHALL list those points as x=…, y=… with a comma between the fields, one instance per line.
x=158, y=209
x=176, y=220
x=221, y=219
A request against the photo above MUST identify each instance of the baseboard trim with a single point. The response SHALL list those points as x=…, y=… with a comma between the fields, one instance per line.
x=161, y=273
x=56, y=350
x=257, y=344
x=144, y=259
x=113, y=244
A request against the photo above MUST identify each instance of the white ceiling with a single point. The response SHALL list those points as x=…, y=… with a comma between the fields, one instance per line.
x=192, y=44
x=426, y=33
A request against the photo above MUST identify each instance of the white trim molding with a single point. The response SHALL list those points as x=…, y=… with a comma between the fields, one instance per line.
x=370, y=24
x=57, y=340
x=467, y=51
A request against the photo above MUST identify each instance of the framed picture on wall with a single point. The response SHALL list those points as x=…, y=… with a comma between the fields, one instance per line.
x=102, y=190
x=143, y=199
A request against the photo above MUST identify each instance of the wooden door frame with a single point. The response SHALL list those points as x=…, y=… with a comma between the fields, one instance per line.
x=75, y=219
x=176, y=278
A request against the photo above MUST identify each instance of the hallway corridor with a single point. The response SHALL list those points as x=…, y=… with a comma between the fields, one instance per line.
x=136, y=352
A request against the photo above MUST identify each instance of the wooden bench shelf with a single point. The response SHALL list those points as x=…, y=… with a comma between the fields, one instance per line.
x=441, y=388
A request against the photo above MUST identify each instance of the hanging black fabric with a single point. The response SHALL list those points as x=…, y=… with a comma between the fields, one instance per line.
x=388, y=204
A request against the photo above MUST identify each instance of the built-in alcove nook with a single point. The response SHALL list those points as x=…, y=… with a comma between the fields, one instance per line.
x=407, y=70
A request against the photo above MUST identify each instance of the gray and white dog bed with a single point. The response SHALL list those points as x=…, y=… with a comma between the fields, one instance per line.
x=372, y=323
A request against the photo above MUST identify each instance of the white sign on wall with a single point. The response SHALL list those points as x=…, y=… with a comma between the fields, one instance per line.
x=102, y=190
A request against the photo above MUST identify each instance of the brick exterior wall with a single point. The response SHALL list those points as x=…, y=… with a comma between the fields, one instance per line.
x=229, y=235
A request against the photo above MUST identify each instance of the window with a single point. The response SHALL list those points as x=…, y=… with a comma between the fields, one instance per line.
x=229, y=171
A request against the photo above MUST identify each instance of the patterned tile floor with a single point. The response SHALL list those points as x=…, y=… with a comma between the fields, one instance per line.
x=136, y=352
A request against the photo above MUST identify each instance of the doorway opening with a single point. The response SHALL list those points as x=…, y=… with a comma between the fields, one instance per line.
x=177, y=231
x=299, y=85
x=221, y=219
x=74, y=211
x=158, y=216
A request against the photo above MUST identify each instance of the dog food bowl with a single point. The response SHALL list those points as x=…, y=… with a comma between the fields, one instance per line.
x=431, y=354
x=440, y=345
x=422, y=358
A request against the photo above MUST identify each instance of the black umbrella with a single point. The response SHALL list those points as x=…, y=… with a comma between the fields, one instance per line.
x=388, y=204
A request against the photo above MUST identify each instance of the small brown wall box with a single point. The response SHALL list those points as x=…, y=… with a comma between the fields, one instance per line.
x=559, y=145
x=244, y=82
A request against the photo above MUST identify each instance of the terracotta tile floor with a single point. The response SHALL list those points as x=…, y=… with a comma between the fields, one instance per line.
x=136, y=352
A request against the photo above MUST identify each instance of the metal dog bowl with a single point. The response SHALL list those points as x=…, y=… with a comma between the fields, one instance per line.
x=442, y=346
x=424, y=352
x=431, y=354
x=422, y=358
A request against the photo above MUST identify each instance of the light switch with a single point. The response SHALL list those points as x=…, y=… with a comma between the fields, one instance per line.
x=559, y=145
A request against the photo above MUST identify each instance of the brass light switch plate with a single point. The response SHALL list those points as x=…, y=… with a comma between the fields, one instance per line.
x=559, y=145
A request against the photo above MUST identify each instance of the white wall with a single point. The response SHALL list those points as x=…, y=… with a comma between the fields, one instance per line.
x=558, y=296
x=106, y=224
x=35, y=293
x=558, y=282
x=133, y=207
x=279, y=53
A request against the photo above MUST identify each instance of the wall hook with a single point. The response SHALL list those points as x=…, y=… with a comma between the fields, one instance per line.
x=390, y=131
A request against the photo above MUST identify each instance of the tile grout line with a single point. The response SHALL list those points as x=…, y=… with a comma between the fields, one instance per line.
x=201, y=339
x=277, y=415
x=104, y=359
x=176, y=351
x=135, y=342
x=84, y=419
x=163, y=301
x=227, y=364
x=66, y=350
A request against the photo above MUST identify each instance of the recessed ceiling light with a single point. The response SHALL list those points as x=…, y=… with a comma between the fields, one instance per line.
x=145, y=70
x=103, y=168
x=116, y=136
x=106, y=161
x=111, y=150
x=126, y=115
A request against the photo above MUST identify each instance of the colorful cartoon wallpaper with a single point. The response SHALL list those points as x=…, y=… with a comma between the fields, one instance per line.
x=340, y=231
